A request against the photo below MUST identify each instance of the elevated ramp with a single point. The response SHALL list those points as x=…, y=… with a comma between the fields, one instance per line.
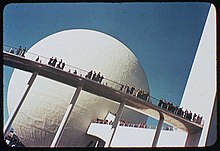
x=95, y=88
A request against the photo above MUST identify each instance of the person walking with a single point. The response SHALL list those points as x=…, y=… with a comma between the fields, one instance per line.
x=54, y=62
x=101, y=78
x=63, y=65
x=37, y=59
x=50, y=61
x=59, y=64
x=18, y=51
x=94, y=76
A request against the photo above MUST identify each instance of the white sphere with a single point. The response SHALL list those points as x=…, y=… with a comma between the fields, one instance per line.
x=43, y=109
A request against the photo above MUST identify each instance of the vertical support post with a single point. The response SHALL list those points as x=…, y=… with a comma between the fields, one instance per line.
x=158, y=130
x=146, y=119
x=101, y=143
x=65, y=118
x=17, y=108
x=192, y=140
x=96, y=144
x=117, y=118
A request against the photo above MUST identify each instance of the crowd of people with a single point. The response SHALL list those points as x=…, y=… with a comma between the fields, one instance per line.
x=144, y=95
x=53, y=62
x=60, y=64
x=20, y=51
x=126, y=123
x=101, y=121
x=12, y=140
x=96, y=77
x=167, y=105
x=139, y=93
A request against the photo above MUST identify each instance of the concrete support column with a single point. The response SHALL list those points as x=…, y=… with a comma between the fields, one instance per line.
x=66, y=117
x=100, y=143
x=96, y=144
x=17, y=108
x=117, y=118
x=158, y=130
x=192, y=139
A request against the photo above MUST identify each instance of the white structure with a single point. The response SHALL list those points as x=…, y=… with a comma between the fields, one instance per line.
x=199, y=96
x=46, y=103
x=200, y=92
x=130, y=136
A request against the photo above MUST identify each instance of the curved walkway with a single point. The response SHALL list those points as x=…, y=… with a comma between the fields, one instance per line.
x=110, y=91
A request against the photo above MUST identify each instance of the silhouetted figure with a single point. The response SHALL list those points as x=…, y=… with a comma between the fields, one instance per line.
x=97, y=77
x=189, y=115
x=75, y=72
x=137, y=93
x=194, y=117
x=169, y=106
x=59, y=64
x=94, y=76
x=63, y=65
x=100, y=79
x=145, y=96
x=54, y=61
x=89, y=74
x=180, y=111
x=50, y=61
x=37, y=59
x=128, y=89
x=110, y=123
x=11, y=51
x=172, y=107
x=160, y=103
x=132, y=90
x=125, y=88
x=199, y=119
x=164, y=105
x=18, y=51
x=23, y=52
x=186, y=114
x=122, y=86
x=175, y=108
x=69, y=70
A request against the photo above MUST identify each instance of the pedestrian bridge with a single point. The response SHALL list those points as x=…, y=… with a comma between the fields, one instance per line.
x=107, y=91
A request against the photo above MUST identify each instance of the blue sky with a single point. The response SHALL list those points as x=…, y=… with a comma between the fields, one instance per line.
x=163, y=36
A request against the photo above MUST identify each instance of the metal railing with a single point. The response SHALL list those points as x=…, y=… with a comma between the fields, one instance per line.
x=80, y=72
x=135, y=125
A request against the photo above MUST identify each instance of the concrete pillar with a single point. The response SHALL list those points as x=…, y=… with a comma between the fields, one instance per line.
x=117, y=118
x=65, y=118
x=192, y=139
x=96, y=144
x=158, y=130
x=212, y=135
x=17, y=108
x=146, y=119
x=100, y=143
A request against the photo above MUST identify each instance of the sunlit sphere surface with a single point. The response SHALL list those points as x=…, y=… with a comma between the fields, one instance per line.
x=47, y=101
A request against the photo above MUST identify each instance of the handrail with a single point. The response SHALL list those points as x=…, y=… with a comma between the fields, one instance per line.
x=135, y=125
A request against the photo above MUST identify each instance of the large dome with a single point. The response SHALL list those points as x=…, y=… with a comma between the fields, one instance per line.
x=46, y=103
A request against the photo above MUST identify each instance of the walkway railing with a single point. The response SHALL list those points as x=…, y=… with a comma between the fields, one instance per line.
x=80, y=72
x=135, y=125
x=67, y=67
